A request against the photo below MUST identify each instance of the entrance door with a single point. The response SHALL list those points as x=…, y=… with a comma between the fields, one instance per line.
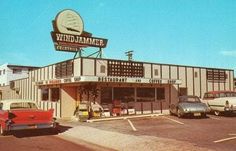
x=183, y=91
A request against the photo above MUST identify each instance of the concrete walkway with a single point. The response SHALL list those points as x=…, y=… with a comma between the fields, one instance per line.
x=125, y=142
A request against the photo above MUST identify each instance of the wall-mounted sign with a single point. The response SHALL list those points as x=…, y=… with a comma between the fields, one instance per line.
x=69, y=34
x=110, y=80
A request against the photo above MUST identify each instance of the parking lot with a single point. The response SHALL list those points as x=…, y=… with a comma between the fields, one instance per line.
x=213, y=132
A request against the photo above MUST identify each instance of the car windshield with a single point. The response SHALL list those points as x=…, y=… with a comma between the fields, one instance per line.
x=23, y=105
x=226, y=94
x=189, y=99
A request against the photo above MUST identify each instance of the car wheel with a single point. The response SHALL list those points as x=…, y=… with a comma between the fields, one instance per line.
x=179, y=114
x=171, y=113
x=54, y=130
x=2, y=132
x=204, y=115
x=217, y=113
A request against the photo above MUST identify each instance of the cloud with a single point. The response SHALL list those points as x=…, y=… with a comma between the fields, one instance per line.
x=228, y=53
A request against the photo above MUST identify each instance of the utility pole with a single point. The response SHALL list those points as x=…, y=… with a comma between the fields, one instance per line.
x=130, y=55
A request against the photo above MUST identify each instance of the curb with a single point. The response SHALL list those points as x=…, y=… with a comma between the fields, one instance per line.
x=124, y=117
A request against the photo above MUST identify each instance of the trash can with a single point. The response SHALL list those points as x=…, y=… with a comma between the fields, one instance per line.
x=96, y=109
x=131, y=108
x=106, y=111
x=83, y=113
x=116, y=109
x=124, y=110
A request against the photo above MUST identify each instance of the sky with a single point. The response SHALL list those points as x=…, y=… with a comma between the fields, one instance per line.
x=183, y=32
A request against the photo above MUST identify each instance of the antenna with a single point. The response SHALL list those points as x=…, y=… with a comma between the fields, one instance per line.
x=130, y=55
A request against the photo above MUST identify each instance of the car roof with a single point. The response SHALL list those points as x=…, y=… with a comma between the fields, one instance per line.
x=189, y=96
x=216, y=92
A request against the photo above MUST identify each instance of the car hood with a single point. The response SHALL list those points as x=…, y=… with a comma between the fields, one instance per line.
x=186, y=105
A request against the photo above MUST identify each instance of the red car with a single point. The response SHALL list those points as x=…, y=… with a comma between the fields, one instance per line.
x=24, y=114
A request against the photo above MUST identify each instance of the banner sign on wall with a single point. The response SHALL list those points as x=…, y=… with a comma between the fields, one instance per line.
x=108, y=79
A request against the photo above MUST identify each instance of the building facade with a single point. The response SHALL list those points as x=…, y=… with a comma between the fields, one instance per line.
x=234, y=84
x=9, y=73
x=13, y=72
x=148, y=87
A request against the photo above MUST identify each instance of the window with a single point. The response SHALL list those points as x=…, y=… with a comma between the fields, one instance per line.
x=106, y=95
x=209, y=95
x=216, y=75
x=102, y=69
x=145, y=94
x=12, y=85
x=125, y=68
x=183, y=91
x=1, y=104
x=160, y=93
x=23, y=105
x=64, y=69
x=124, y=94
x=195, y=74
x=189, y=99
x=55, y=94
x=17, y=71
x=45, y=94
x=156, y=73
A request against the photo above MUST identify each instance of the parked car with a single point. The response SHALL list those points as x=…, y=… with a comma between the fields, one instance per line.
x=189, y=105
x=24, y=114
x=221, y=101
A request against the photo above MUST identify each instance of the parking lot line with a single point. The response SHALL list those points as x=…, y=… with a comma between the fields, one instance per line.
x=131, y=124
x=173, y=120
x=225, y=139
x=124, y=117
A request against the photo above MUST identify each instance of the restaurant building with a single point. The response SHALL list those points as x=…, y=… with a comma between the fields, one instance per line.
x=144, y=86
x=149, y=87
x=234, y=84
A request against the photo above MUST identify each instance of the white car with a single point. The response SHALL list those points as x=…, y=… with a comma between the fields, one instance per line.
x=220, y=101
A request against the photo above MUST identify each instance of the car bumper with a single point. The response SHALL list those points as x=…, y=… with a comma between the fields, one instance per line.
x=30, y=126
x=195, y=111
x=229, y=109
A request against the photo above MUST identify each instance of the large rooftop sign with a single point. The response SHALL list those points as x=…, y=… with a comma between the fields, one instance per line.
x=69, y=34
